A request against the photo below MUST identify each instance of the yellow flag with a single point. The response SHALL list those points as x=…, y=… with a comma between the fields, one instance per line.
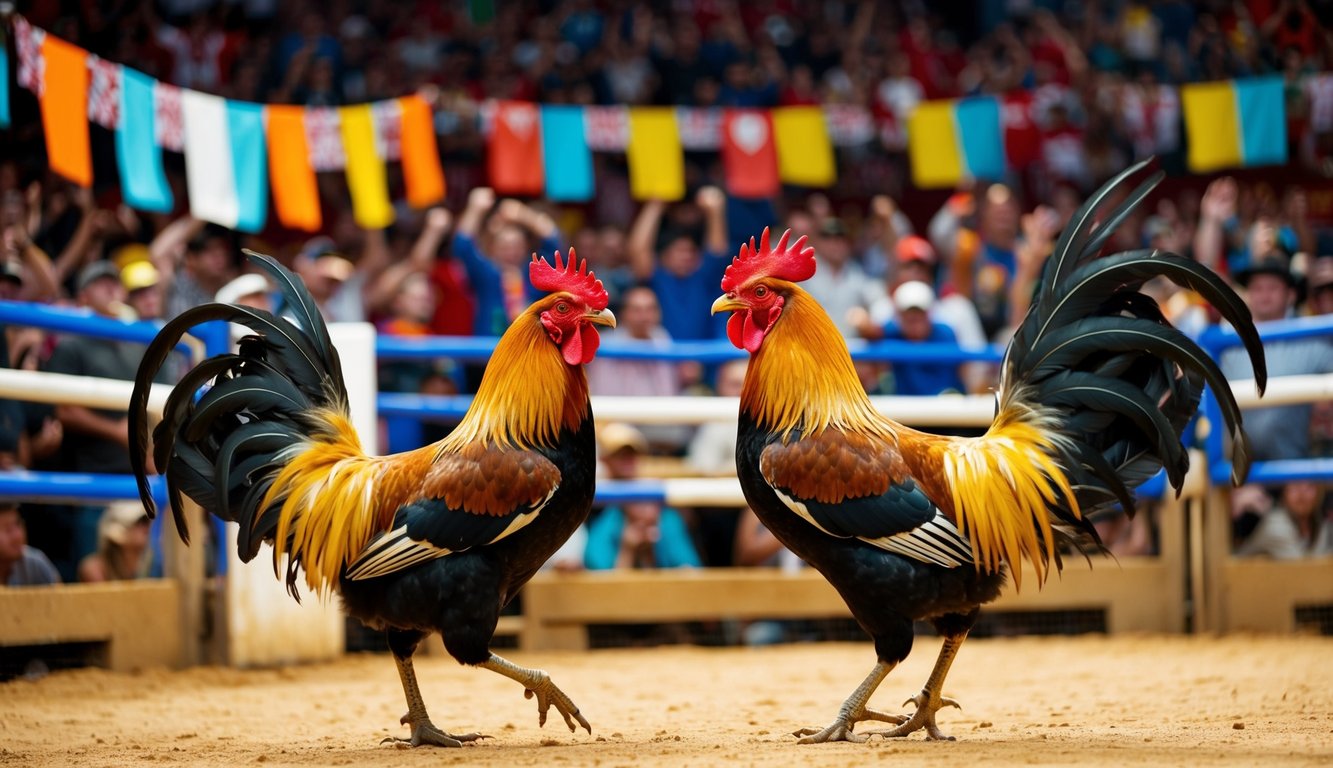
x=805, y=154
x=1212, y=126
x=932, y=145
x=656, y=160
x=365, y=169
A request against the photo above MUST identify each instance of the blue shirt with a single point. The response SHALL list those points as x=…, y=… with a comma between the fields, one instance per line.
x=687, y=301
x=674, y=549
x=916, y=378
x=487, y=283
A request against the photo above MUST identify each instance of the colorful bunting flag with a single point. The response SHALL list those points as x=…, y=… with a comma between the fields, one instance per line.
x=805, y=155
x=28, y=44
x=514, y=154
x=103, y=92
x=209, y=172
x=749, y=158
x=64, y=103
x=700, y=128
x=1235, y=123
x=366, y=177
x=4, y=87
x=323, y=134
x=567, y=161
x=167, y=119
x=656, y=160
x=295, y=193
x=143, y=182
x=422, y=174
x=607, y=127
x=950, y=140
x=245, y=128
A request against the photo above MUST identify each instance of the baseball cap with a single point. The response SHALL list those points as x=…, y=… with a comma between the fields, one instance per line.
x=617, y=436
x=1321, y=273
x=96, y=271
x=139, y=274
x=914, y=248
x=118, y=519
x=913, y=294
x=246, y=285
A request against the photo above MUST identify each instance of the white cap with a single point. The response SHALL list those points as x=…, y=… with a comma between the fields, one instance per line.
x=913, y=294
x=245, y=285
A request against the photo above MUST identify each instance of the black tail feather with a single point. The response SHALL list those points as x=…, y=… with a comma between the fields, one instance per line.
x=222, y=449
x=1124, y=382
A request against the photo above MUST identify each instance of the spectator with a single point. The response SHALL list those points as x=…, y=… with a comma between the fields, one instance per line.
x=1279, y=432
x=193, y=260
x=639, y=534
x=122, y=545
x=143, y=284
x=840, y=284
x=683, y=273
x=499, y=279
x=20, y=564
x=712, y=451
x=1321, y=286
x=97, y=440
x=913, y=302
x=1292, y=529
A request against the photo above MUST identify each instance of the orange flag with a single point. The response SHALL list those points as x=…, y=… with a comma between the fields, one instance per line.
x=295, y=194
x=422, y=173
x=64, y=98
x=514, y=155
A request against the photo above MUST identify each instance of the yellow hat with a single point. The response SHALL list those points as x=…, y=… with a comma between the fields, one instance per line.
x=617, y=436
x=130, y=253
x=139, y=274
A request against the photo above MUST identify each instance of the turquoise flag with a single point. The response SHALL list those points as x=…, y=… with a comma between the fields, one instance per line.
x=4, y=87
x=565, y=155
x=249, y=158
x=142, y=180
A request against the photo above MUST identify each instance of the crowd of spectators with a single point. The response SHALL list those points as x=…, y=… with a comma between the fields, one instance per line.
x=957, y=272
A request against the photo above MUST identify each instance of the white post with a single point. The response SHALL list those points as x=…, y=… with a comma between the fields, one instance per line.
x=265, y=626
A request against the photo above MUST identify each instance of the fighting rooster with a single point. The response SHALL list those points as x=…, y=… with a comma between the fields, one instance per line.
x=1096, y=388
x=437, y=539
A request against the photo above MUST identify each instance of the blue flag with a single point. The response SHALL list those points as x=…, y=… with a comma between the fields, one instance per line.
x=249, y=158
x=142, y=180
x=4, y=87
x=566, y=159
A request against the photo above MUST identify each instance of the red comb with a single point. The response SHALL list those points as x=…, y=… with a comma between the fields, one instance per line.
x=573, y=277
x=794, y=262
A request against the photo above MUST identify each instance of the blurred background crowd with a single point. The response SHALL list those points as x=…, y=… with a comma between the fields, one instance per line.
x=1088, y=86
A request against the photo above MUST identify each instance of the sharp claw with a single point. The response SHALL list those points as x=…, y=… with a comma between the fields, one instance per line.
x=947, y=702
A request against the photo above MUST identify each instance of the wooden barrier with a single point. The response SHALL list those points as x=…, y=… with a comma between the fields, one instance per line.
x=137, y=622
x=1255, y=594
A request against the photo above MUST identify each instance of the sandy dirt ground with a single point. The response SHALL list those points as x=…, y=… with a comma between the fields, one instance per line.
x=1090, y=701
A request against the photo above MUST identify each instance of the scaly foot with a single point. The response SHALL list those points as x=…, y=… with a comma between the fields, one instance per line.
x=425, y=732
x=547, y=695
x=923, y=717
x=841, y=729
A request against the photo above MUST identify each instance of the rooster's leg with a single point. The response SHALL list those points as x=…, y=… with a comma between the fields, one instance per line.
x=929, y=701
x=853, y=711
x=538, y=683
x=423, y=730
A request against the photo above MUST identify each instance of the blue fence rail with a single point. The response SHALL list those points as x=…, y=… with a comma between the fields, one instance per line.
x=1216, y=340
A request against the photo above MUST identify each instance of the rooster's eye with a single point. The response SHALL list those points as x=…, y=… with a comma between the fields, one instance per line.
x=761, y=292
x=562, y=307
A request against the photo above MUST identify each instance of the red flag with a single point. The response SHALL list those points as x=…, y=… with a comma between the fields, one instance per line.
x=514, y=156
x=749, y=156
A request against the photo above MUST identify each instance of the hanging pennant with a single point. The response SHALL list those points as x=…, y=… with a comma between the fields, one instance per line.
x=143, y=182
x=64, y=103
x=514, y=153
x=805, y=155
x=749, y=157
x=366, y=178
x=295, y=193
x=656, y=161
x=422, y=174
x=567, y=159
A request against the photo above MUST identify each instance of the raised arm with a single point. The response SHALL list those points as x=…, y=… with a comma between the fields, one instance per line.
x=166, y=249
x=639, y=247
x=713, y=201
x=419, y=259
x=1215, y=210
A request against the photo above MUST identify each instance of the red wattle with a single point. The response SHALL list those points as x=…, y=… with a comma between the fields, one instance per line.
x=572, y=348
x=753, y=333
x=734, y=325
x=591, y=340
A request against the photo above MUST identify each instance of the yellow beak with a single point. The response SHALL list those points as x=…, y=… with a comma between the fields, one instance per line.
x=601, y=317
x=727, y=303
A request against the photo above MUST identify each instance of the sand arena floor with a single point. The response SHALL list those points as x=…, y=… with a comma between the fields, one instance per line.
x=1123, y=701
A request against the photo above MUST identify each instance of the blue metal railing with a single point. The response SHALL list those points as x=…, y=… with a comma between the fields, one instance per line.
x=1216, y=340
x=66, y=320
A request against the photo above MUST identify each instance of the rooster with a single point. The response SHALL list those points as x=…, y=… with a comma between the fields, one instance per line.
x=437, y=539
x=1096, y=388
